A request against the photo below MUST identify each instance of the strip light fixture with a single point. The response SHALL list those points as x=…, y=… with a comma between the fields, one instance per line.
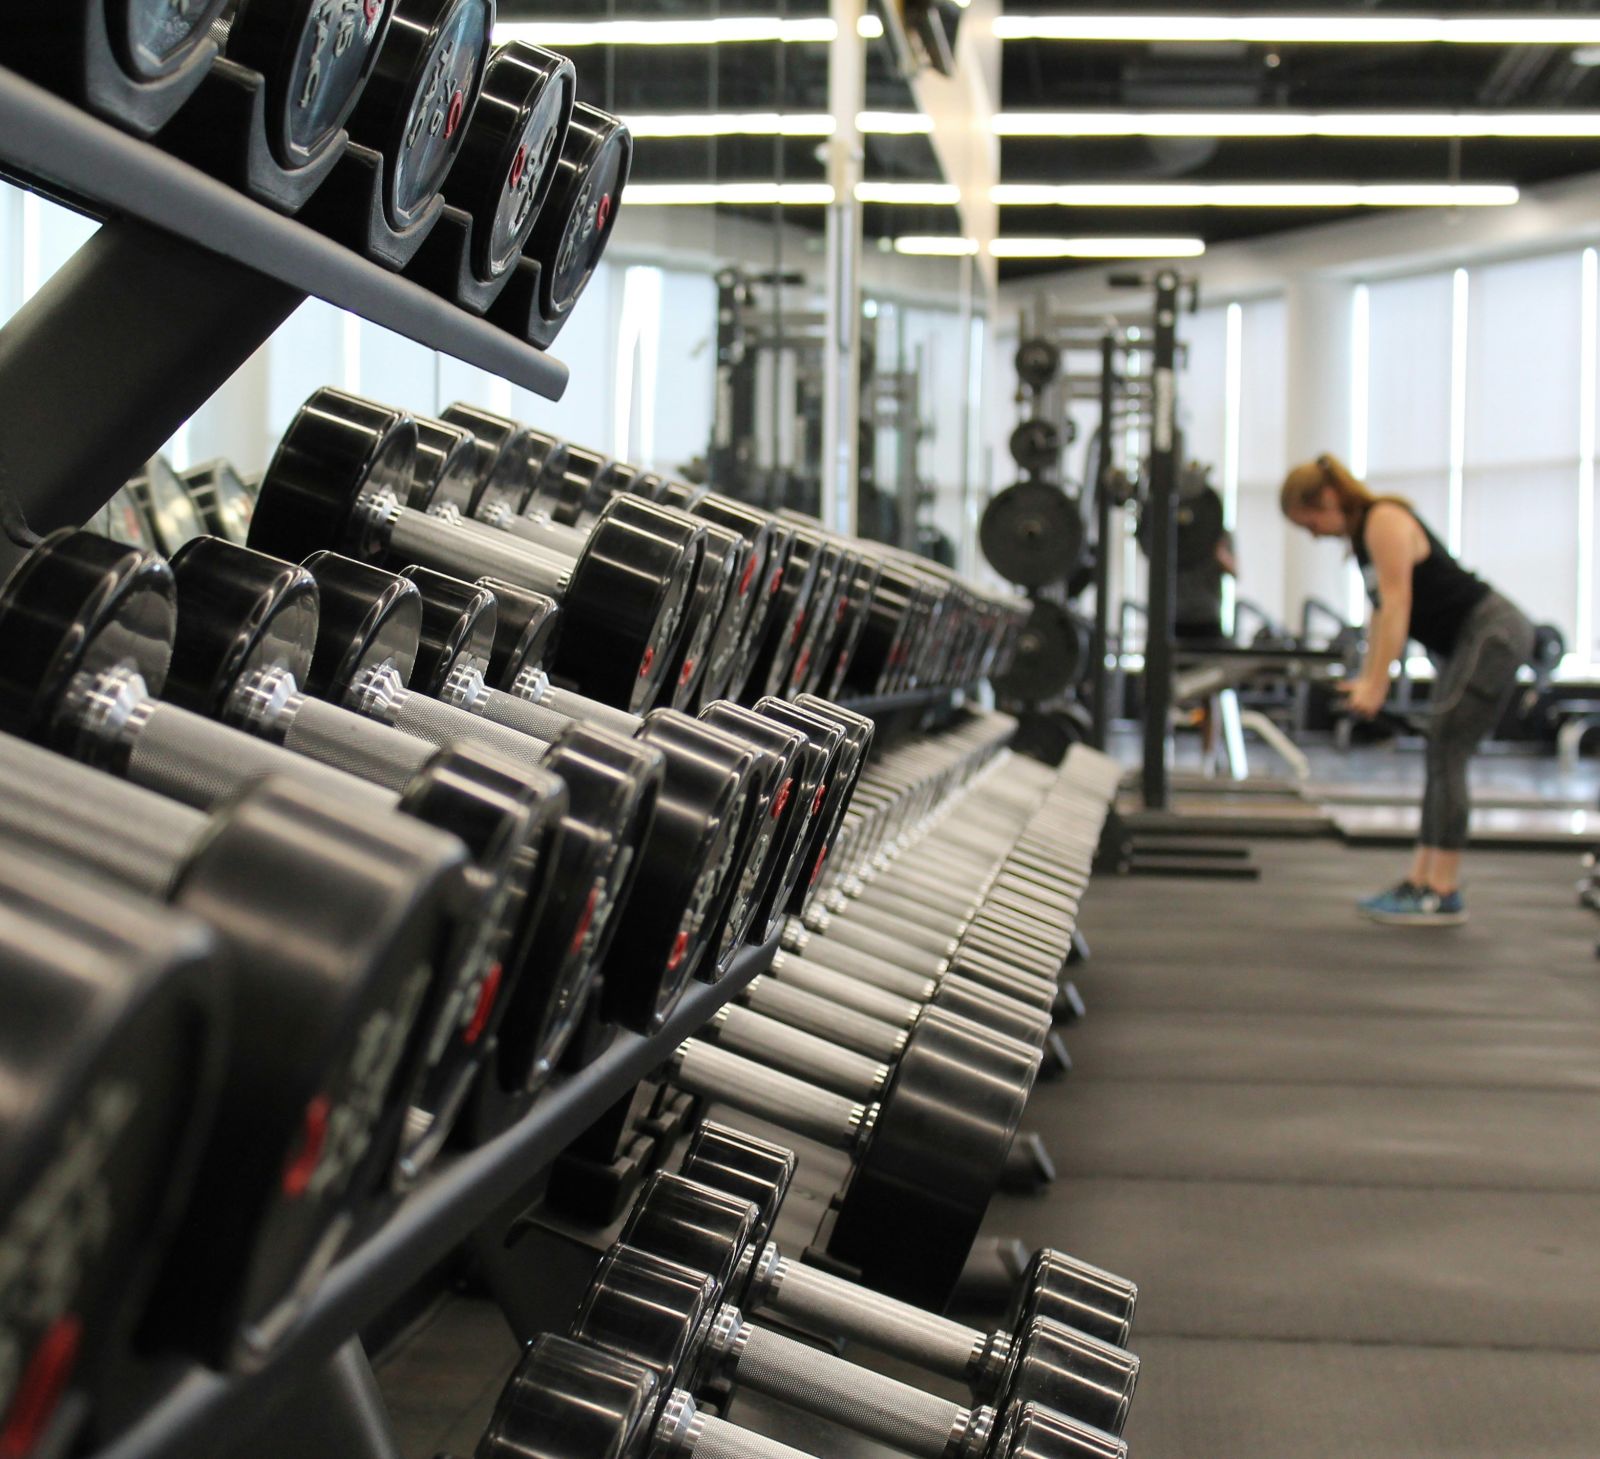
x=1347, y=30
x=721, y=30
x=1254, y=195
x=936, y=246
x=772, y=124
x=1297, y=124
x=1097, y=247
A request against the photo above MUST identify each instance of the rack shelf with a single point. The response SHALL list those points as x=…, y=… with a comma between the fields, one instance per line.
x=204, y=1410
x=48, y=142
x=906, y=701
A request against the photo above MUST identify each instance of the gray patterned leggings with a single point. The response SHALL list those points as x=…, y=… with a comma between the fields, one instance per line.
x=1471, y=692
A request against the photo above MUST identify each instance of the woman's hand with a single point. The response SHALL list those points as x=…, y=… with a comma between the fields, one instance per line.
x=1365, y=695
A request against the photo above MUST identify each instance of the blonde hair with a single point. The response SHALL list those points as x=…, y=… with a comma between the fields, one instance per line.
x=1303, y=487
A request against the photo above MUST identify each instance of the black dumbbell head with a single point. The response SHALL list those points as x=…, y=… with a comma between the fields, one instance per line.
x=338, y=448
x=526, y=625
x=370, y=618
x=741, y=1164
x=649, y=1309
x=77, y=605
x=112, y=1027
x=570, y=1400
x=458, y=628
x=1072, y=1373
x=154, y=37
x=1032, y=1431
x=419, y=98
x=446, y=466
x=239, y=612
x=316, y=58
x=696, y=1226
x=1076, y=1294
x=507, y=161
x=575, y=223
x=501, y=449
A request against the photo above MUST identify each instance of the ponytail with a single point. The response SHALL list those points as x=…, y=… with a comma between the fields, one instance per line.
x=1304, y=485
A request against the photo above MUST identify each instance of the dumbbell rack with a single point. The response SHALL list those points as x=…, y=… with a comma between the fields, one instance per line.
x=183, y=282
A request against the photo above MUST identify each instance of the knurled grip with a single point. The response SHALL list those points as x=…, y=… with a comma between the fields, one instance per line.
x=57, y=806
x=865, y=1402
x=470, y=554
x=591, y=711
x=818, y=1114
x=450, y=728
x=201, y=762
x=361, y=747
x=869, y=968
x=892, y=949
x=844, y=989
x=825, y=1018
x=833, y=1307
x=524, y=715
x=718, y=1439
x=799, y=1053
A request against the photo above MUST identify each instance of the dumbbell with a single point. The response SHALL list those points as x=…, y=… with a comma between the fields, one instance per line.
x=507, y=161
x=861, y=580
x=168, y=509
x=705, y=814
x=99, y=622
x=113, y=1030
x=224, y=501
x=707, y=1229
x=674, y=1319
x=331, y=915
x=805, y=594
x=370, y=635
x=571, y=1400
x=419, y=98
x=938, y=1136
x=1054, y=1284
x=153, y=38
x=316, y=59
x=574, y=226
x=340, y=477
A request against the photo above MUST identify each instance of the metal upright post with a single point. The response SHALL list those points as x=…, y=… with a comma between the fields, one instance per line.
x=841, y=348
x=1100, y=678
x=1161, y=503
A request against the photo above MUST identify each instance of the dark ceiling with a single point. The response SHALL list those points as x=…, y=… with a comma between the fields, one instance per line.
x=1050, y=76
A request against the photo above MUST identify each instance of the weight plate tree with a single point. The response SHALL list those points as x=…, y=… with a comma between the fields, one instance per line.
x=1032, y=534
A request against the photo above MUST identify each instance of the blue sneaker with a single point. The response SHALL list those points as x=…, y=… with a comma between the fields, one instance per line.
x=1412, y=906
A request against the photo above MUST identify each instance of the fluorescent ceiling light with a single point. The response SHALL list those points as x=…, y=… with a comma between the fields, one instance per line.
x=1097, y=247
x=1296, y=124
x=562, y=35
x=933, y=246
x=931, y=194
x=1254, y=195
x=770, y=124
x=750, y=194
x=1501, y=30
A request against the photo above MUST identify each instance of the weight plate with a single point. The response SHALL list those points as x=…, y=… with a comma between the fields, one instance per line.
x=173, y=517
x=79, y=604
x=1038, y=361
x=1051, y=655
x=124, y=521
x=445, y=469
x=420, y=96
x=316, y=56
x=1199, y=522
x=154, y=37
x=507, y=161
x=575, y=224
x=1032, y=534
x=1549, y=648
x=111, y=1023
x=1035, y=445
x=224, y=501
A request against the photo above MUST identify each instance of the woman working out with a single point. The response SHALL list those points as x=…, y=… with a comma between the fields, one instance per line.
x=1477, y=639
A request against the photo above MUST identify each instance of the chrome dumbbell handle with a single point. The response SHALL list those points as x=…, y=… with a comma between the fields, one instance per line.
x=685, y=1432
x=743, y=1031
x=713, y=1073
x=837, y=1308
x=412, y=536
x=827, y=1019
x=869, y=1403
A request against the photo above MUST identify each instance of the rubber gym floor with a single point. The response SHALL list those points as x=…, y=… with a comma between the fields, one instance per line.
x=1356, y=1172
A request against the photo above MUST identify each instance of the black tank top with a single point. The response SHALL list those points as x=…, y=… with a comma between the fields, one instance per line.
x=1442, y=591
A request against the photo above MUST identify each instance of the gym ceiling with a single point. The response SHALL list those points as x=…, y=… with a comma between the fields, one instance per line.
x=1114, y=76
